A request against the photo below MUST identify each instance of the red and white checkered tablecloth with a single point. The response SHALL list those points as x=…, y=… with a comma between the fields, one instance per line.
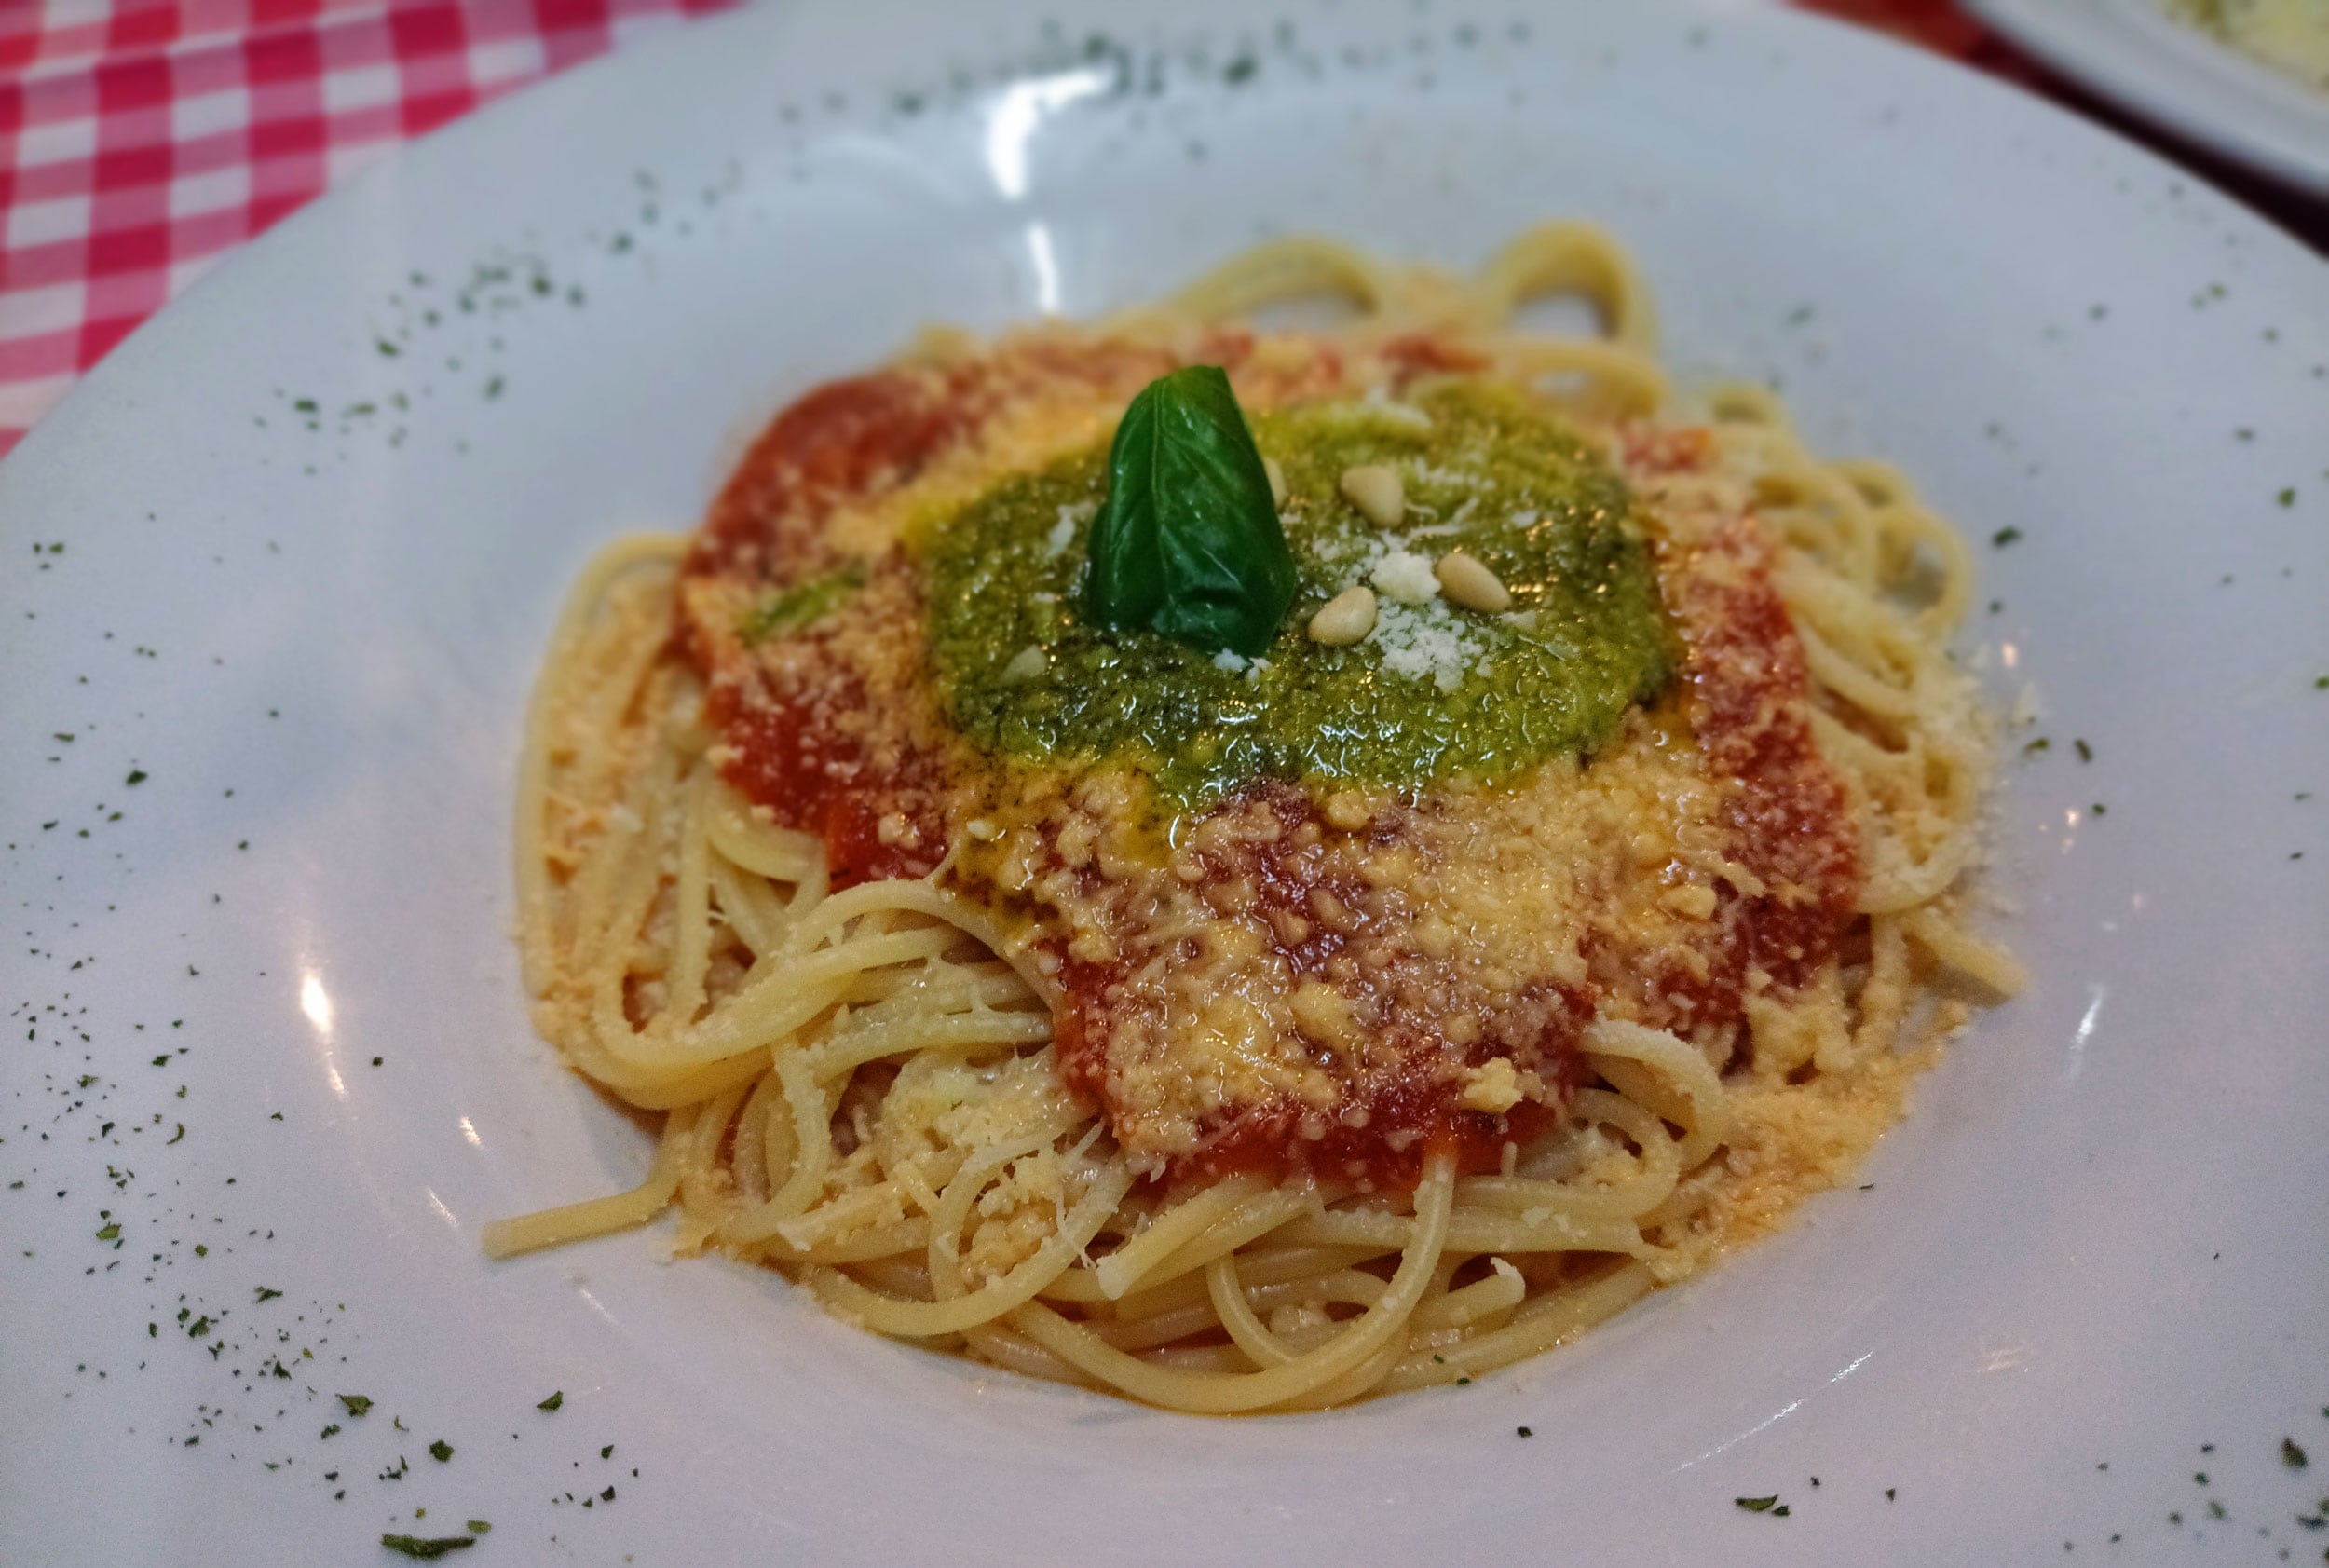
x=141, y=141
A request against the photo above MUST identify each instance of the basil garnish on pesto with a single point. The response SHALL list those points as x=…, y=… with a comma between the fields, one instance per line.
x=1434, y=690
x=1187, y=543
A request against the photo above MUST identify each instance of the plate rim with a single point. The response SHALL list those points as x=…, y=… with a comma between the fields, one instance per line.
x=2260, y=228
x=2082, y=41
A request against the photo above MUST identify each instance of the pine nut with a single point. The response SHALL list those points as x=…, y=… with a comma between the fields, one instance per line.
x=1468, y=583
x=1278, y=482
x=1345, y=619
x=1376, y=491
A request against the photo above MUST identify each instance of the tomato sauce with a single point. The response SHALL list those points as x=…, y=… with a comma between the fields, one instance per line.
x=790, y=725
x=1790, y=824
x=1388, y=1118
x=1790, y=821
x=846, y=440
x=791, y=746
x=798, y=742
x=877, y=823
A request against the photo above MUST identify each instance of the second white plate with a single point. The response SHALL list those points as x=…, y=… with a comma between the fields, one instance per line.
x=2178, y=78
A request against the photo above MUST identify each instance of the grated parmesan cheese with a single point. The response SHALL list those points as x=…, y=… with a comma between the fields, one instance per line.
x=1453, y=479
x=1063, y=532
x=1406, y=577
x=1427, y=643
x=1493, y=1087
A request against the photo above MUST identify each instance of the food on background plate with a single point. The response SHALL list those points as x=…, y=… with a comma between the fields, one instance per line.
x=2290, y=35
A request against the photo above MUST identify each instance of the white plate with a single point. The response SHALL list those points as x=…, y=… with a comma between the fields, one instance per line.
x=2096, y=1241
x=2177, y=76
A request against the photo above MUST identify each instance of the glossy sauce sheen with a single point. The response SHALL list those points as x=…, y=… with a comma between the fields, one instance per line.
x=854, y=746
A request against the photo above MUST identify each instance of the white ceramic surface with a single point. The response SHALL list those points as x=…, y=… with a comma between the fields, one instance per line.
x=2135, y=53
x=290, y=651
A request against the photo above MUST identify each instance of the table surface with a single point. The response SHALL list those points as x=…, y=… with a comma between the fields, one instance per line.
x=143, y=140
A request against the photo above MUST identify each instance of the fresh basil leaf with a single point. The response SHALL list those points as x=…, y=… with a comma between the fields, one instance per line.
x=798, y=609
x=1187, y=542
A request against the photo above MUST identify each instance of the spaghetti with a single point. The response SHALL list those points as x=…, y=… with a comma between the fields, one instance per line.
x=1239, y=1057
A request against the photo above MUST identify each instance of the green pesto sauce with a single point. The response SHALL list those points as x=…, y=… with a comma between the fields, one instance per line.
x=1434, y=693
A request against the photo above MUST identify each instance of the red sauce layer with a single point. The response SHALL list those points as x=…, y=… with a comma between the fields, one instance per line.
x=811, y=742
x=795, y=723
x=1391, y=1116
x=1789, y=818
x=797, y=745
x=846, y=441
